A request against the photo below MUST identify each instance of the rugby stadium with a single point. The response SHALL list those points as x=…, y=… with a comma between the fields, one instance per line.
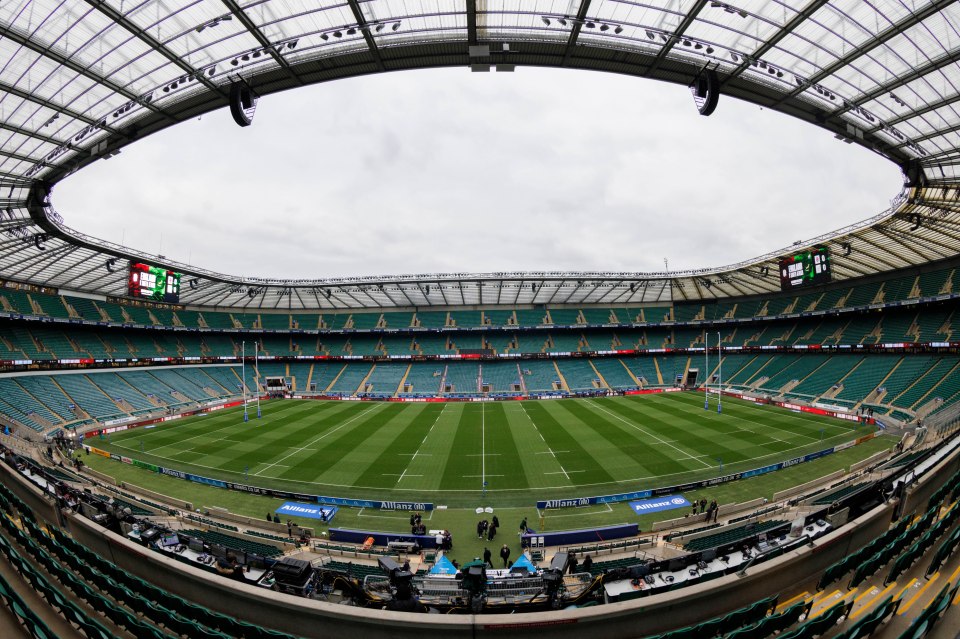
x=764, y=448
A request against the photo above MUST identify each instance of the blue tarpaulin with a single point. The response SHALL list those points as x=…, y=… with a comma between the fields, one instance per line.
x=310, y=511
x=524, y=562
x=443, y=567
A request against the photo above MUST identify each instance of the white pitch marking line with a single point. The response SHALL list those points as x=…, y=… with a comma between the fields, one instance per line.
x=785, y=414
x=417, y=452
x=206, y=432
x=549, y=451
x=483, y=475
x=679, y=450
x=483, y=446
x=314, y=441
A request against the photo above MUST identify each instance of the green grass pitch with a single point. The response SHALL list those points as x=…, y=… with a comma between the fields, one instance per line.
x=444, y=452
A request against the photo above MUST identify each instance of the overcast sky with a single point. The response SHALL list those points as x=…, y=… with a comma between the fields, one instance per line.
x=447, y=170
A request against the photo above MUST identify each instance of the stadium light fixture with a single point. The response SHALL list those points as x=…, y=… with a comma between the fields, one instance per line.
x=546, y=20
x=396, y=25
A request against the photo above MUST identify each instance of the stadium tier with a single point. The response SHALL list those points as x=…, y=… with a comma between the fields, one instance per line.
x=895, y=289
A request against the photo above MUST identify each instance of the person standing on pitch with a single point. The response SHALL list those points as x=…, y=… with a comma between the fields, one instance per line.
x=505, y=554
x=523, y=526
x=486, y=557
x=492, y=531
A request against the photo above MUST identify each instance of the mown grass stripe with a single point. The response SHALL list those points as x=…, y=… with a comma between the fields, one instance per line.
x=505, y=467
x=558, y=437
x=394, y=458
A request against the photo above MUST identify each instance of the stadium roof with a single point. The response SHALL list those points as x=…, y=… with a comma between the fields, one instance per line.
x=81, y=80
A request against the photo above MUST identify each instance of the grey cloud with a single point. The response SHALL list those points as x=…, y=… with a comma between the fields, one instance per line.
x=451, y=171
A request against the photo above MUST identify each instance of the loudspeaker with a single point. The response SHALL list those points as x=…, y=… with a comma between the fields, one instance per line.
x=706, y=91
x=243, y=103
x=913, y=175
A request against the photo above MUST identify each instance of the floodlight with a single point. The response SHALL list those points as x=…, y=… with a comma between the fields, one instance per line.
x=604, y=27
x=546, y=20
x=337, y=34
x=618, y=30
x=351, y=31
x=396, y=25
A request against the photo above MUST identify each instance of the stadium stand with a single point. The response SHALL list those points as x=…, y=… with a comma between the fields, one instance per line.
x=385, y=379
x=461, y=378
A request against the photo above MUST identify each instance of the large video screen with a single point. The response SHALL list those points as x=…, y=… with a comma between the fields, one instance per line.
x=153, y=283
x=805, y=268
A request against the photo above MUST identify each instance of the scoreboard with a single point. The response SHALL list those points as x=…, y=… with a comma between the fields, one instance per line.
x=153, y=283
x=806, y=268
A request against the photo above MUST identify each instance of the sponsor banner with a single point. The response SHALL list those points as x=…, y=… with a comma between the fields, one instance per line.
x=126, y=460
x=818, y=454
x=639, y=494
x=121, y=420
x=310, y=511
x=844, y=446
x=205, y=480
x=831, y=407
x=650, y=391
x=97, y=451
x=114, y=456
x=760, y=471
x=145, y=465
x=173, y=473
x=590, y=501
x=668, y=502
x=114, y=429
x=256, y=490
x=668, y=492
x=404, y=505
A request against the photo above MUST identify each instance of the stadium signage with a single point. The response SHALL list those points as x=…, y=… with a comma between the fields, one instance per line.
x=656, y=505
x=668, y=492
x=566, y=503
x=256, y=490
x=403, y=505
x=307, y=510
